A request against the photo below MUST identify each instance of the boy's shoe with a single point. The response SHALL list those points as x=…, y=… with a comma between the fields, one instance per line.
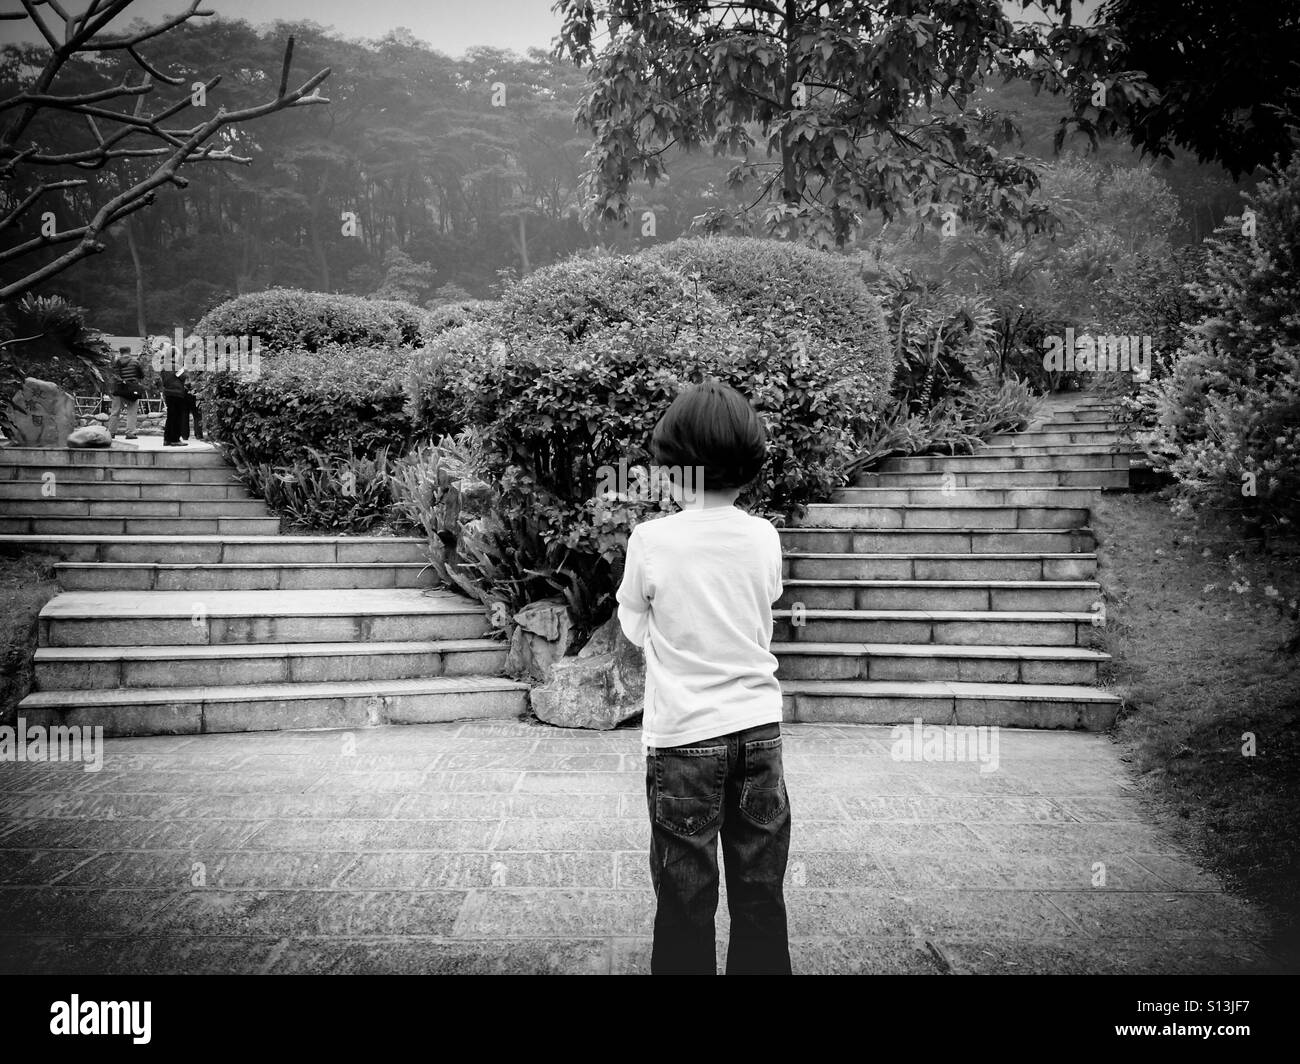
x=131, y=436
x=173, y=443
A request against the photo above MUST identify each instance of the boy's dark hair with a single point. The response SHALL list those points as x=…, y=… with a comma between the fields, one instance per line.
x=711, y=426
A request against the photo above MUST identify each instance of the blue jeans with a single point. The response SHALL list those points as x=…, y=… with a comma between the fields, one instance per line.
x=733, y=785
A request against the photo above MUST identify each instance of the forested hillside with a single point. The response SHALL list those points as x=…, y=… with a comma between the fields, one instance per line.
x=424, y=178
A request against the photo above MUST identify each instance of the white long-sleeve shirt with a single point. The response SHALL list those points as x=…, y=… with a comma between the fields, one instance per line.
x=697, y=595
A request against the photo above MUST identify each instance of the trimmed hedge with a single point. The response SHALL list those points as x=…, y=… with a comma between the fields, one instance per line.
x=792, y=285
x=335, y=402
x=578, y=294
x=291, y=319
x=578, y=362
x=453, y=315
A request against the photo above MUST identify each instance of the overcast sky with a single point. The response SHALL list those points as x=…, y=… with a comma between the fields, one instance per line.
x=450, y=26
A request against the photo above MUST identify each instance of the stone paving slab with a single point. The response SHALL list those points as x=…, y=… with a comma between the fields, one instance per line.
x=496, y=846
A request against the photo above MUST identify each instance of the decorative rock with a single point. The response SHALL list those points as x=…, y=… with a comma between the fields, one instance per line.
x=600, y=688
x=41, y=414
x=90, y=436
x=540, y=639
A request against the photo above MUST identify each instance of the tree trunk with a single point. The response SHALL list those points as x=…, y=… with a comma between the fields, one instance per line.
x=141, y=322
x=522, y=244
x=789, y=180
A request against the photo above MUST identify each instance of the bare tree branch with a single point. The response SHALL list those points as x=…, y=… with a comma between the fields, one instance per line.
x=177, y=148
x=36, y=194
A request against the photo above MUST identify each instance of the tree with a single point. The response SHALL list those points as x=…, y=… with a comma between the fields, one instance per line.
x=85, y=49
x=866, y=105
x=1225, y=75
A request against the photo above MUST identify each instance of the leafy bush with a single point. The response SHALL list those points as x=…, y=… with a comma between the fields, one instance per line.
x=941, y=338
x=290, y=319
x=324, y=493
x=602, y=291
x=813, y=290
x=492, y=555
x=446, y=316
x=47, y=337
x=957, y=424
x=575, y=366
x=1229, y=414
x=334, y=403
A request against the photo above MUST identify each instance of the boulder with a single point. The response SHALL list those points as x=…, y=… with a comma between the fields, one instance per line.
x=600, y=688
x=41, y=414
x=90, y=436
x=539, y=640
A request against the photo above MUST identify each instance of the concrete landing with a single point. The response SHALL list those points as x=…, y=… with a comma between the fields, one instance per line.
x=508, y=847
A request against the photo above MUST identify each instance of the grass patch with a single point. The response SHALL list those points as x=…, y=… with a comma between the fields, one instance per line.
x=26, y=584
x=1204, y=653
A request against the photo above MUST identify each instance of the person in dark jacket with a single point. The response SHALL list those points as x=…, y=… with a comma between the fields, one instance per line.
x=126, y=386
x=180, y=405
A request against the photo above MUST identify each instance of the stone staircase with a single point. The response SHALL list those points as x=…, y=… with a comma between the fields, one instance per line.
x=957, y=590
x=184, y=610
x=951, y=589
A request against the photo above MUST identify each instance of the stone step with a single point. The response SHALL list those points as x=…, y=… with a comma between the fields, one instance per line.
x=135, y=508
x=1013, y=479
x=1007, y=596
x=1058, y=452
x=954, y=627
x=224, y=550
x=1032, y=438
x=140, y=576
x=99, y=668
x=123, y=490
x=1084, y=415
x=1006, y=459
x=209, y=618
x=278, y=707
x=1078, y=401
x=964, y=496
x=939, y=566
x=928, y=662
x=938, y=541
x=949, y=702
x=122, y=474
x=27, y=524
x=948, y=516
x=119, y=455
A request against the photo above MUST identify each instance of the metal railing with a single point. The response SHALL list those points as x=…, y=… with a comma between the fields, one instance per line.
x=89, y=405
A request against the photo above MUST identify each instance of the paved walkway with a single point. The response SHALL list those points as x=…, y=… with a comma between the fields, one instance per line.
x=509, y=847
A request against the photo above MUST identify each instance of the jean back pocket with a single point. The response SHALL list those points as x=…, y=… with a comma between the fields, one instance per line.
x=763, y=797
x=689, y=783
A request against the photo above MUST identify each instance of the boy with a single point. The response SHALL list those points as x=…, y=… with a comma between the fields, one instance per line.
x=697, y=593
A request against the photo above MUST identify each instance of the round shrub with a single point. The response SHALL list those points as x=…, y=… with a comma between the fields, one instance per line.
x=290, y=319
x=453, y=315
x=798, y=286
x=578, y=294
x=570, y=374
